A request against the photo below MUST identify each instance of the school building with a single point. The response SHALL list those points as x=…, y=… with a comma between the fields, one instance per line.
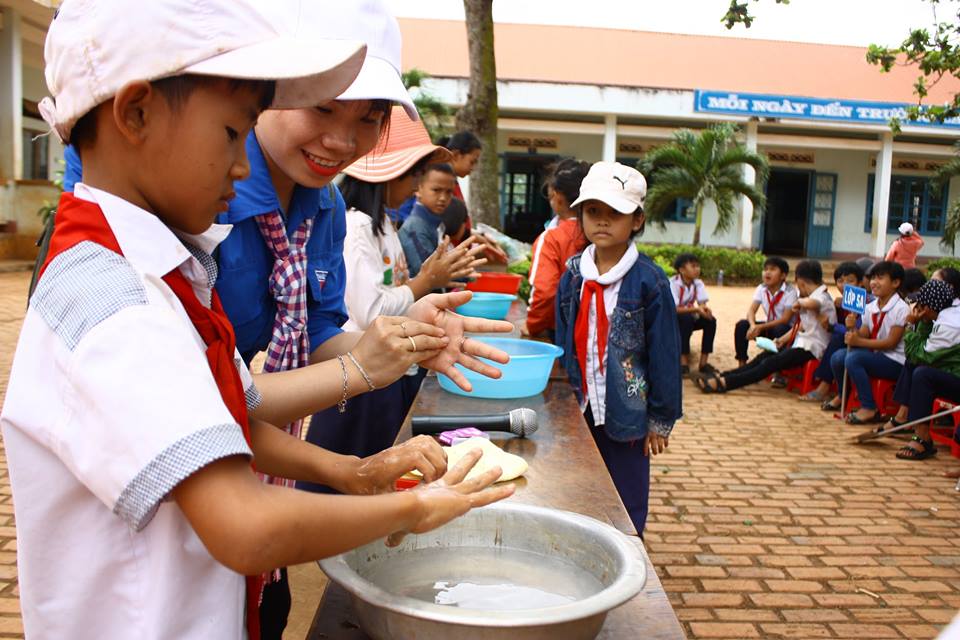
x=840, y=183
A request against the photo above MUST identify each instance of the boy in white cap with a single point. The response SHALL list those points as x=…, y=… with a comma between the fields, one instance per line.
x=126, y=428
x=617, y=324
x=904, y=249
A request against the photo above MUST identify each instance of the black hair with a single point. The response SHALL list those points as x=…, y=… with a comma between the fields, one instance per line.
x=565, y=176
x=848, y=268
x=952, y=277
x=441, y=167
x=887, y=268
x=810, y=270
x=176, y=90
x=462, y=141
x=913, y=279
x=454, y=217
x=777, y=263
x=684, y=259
x=371, y=197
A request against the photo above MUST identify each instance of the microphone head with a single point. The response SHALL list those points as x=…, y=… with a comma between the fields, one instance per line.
x=523, y=422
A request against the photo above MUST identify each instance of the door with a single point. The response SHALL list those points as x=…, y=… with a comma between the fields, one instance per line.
x=786, y=219
x=822, y=204
x=524, y=208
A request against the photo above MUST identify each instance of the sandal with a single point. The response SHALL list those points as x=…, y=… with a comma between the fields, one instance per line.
x=909, y=453
x=853, y=418
x=708, y=369
x=828, y=405
x=703, y=384
x=813, y=396
x=778, y=382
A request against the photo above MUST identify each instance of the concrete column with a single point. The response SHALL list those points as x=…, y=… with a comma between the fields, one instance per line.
x=881, y=197
x=745, y=241
x=610, y=138
x=11, y=97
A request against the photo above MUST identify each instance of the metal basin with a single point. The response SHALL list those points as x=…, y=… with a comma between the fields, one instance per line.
x=514, y=571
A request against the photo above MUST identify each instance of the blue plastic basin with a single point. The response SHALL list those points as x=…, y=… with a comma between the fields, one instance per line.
x=525, y=375
x=494, y=306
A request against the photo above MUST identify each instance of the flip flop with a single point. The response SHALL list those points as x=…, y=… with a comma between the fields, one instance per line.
x=852, y=418
x=909, y=453
x=813, y=396
x=828, y=405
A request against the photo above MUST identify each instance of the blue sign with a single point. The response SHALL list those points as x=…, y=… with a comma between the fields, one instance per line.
x=854, y=299
x=774, y=106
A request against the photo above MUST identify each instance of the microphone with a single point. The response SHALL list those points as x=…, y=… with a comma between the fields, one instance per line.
x=521, y=422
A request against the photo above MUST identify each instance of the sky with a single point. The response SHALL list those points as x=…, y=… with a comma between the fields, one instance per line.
x=846, y=22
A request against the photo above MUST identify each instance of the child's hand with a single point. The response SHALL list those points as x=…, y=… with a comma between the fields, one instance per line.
x=706, y=312
x=753, y=332
x=851, y=339
x=655, y=444
x=451, y=496
x=444, y=266
x=379, y=472
x=850, y=321
x=796, y=306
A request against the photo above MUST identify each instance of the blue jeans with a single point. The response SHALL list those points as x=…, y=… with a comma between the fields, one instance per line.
x=824, y=372
x=861, y=366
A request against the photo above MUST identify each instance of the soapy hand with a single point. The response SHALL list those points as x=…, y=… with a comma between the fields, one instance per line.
x=452, y=496
x=379, y=472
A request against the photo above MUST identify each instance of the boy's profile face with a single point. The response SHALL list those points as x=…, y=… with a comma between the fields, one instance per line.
x=806, y=287
x=690, y=271
x=190, y=154
x=772, y=276
x=436, y=191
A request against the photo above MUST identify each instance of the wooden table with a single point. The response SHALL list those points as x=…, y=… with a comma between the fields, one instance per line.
x=566, y=472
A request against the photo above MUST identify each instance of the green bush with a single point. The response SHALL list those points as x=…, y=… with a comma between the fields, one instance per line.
x=522, y=268
x=940, y=263
x=738, y=266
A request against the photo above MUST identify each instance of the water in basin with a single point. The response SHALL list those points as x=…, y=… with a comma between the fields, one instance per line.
x=483, y=578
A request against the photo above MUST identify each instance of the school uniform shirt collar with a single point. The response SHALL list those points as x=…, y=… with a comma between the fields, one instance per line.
x=891, y=303
x=588, y=266
x=146, y=241
x=422, y=213
x=256, y=195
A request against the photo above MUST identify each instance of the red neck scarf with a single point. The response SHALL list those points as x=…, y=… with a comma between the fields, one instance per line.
x=79, y=220
x=592, y=290
x=877, y=323
x=772, y=302
x=692, y=290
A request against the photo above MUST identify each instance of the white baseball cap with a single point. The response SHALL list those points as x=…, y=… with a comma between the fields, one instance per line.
x=905, y=229
x=369, y=21
x=94, y=47
x=617, y=185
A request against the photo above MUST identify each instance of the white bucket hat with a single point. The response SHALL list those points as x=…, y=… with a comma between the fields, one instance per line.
x=905, y=229
x=617, y=185
x=369, y=21
x=94, y=47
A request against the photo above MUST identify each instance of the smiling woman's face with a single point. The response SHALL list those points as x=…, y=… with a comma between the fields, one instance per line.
x=311, y=146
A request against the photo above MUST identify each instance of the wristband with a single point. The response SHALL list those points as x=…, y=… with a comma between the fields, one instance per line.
x=342, y=404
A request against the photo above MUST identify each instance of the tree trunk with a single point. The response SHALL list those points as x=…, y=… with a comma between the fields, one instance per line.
x=698, y=221
x=479, y=114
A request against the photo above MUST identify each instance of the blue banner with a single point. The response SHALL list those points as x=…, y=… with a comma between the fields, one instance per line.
x=854, y=299
x=792, y=107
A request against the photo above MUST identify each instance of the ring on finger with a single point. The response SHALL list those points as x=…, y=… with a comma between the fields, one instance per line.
x=403, y=327
x=412, y=343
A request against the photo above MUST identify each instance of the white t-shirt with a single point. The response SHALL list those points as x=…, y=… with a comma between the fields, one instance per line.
x=110, y=405
x=596, y=395
x=782, y=300
x=684, y=295
x=812, y=336
x=893, y=314
x=376, y=272
x=946, y=329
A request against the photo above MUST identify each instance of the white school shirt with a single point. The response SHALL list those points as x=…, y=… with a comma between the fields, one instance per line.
x=896, y=311
x=110, y=405
x=789, y=298
x=596, y=380
x=684, y=295
x=376, y=272
x=811, y=336
x=946, y=329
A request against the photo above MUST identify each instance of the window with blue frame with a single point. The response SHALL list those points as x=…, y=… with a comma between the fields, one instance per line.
x=913, y=200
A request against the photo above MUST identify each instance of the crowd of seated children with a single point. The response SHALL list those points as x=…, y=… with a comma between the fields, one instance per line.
x=875, y=349
x=806, y=341
x=693, y=314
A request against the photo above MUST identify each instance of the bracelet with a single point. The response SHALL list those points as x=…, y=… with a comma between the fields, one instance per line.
x=362, y=372
x=342, y=404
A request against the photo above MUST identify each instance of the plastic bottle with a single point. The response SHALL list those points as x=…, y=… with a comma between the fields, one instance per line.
x=720, y=278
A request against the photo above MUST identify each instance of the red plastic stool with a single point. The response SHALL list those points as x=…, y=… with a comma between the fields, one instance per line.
x=801, y=379
x=945, y=435
x=882, y=395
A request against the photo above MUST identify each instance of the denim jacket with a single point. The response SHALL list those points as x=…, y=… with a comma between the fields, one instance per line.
x=643, y=382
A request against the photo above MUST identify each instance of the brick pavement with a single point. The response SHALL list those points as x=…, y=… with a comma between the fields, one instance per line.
x=763, y=522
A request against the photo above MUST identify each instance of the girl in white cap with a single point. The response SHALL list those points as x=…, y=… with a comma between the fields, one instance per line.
x=904, y=249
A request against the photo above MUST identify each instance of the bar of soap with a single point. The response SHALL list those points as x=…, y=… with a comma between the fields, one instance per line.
x=513, y=466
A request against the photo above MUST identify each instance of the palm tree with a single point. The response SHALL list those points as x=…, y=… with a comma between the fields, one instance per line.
x=433, y=112
x=951, y=225
x=698, y=167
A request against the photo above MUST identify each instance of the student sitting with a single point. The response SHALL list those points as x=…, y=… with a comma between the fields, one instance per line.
x=846, y=274
x=875, y=350
x=776, y=297
x=419, y=235
x=933, y=363
x=690, y=297
x=809, y=337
